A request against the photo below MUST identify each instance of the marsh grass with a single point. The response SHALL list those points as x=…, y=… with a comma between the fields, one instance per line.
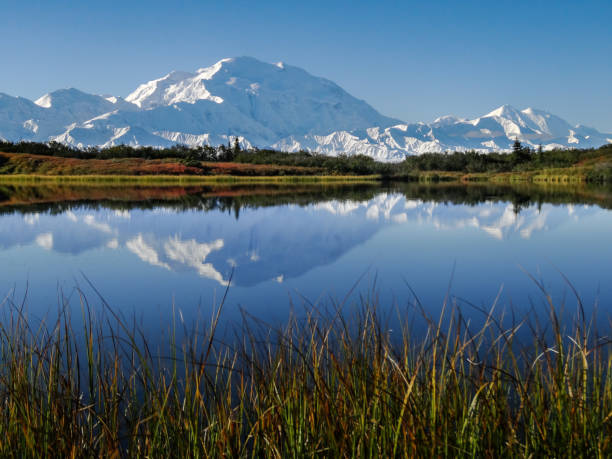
x=184, y=179
x=334, y=381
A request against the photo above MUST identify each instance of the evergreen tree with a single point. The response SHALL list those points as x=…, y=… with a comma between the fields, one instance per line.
x=520, y=154
x=539, y=156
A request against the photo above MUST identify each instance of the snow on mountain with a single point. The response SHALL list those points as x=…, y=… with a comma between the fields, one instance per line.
x=270, y=106
x=168, y=90
x=18, y=118
x=52, y=114
x=284, y=99
x=79, y=105
x=492, y=132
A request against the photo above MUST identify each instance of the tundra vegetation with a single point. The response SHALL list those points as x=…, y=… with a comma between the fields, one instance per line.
x=521, y=164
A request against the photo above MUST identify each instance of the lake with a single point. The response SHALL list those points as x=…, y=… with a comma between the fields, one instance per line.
x=173, y=251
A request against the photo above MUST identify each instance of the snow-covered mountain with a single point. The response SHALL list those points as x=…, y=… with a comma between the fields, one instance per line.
x=269, y=105
x=492, y=132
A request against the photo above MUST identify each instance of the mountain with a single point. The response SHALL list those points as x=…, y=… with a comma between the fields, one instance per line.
x=284, y=99
x=269, y=106
x=492, y=132
x=53, y=113
x=17, y=118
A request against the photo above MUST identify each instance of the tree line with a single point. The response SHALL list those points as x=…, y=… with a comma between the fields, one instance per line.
x=521, y=158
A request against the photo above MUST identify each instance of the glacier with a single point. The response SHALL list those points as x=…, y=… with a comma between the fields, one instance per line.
x=275, y=106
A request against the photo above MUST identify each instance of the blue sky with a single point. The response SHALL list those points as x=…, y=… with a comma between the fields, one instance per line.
x=411, y=60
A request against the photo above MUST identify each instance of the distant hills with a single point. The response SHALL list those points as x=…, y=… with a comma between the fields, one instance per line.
x=270, y=105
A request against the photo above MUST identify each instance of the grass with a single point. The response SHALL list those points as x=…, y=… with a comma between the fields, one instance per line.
x=552, y=176
x=22, y=167
x=185, y=179
x=40, y=165
x=328, y=384
x=591, y=166
x=559, y=176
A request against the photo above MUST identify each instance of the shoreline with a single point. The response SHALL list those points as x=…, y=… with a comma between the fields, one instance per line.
x=545, y=176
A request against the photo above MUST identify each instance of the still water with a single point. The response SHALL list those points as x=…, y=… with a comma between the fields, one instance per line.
x=152, y=252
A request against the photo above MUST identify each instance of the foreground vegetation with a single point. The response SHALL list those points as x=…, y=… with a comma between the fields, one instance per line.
x=332, y=383
x=522, y=164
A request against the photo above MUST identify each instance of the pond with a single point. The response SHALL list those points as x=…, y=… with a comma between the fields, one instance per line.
x=159, y=253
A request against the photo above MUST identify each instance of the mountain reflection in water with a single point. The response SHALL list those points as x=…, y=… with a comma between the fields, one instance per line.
x=314, y=236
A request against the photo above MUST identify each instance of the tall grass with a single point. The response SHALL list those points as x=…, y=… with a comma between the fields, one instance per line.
x=330, y=383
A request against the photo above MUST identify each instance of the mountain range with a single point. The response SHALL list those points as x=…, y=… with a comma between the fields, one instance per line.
x=270, y=106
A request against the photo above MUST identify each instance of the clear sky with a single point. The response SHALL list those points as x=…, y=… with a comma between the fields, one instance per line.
x=411, y=60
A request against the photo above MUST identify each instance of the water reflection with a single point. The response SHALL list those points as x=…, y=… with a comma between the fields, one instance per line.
x=273, y=234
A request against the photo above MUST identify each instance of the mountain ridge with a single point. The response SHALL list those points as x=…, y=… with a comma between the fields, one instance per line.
x=270, y=106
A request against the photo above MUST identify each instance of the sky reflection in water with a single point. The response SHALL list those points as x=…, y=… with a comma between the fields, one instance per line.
x=145, y=261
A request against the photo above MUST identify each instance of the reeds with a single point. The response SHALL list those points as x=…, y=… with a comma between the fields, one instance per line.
x=334, y=381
